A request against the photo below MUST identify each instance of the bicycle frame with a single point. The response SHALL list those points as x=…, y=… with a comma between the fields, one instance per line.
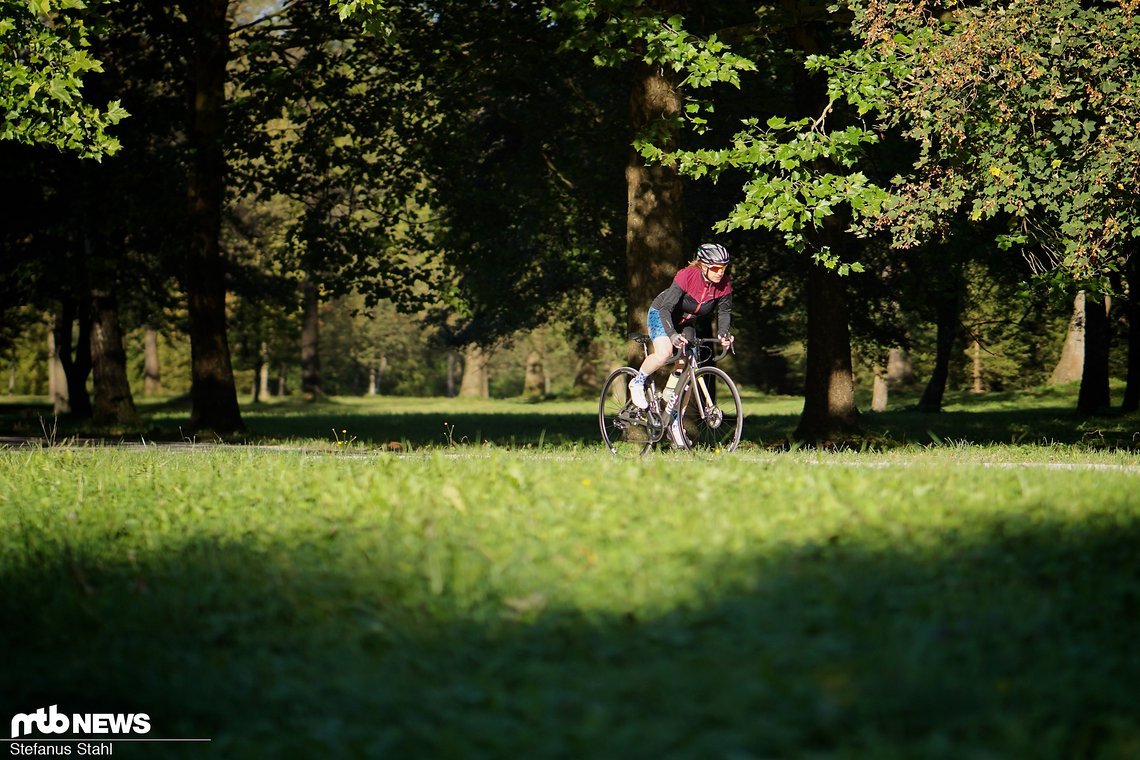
x=691, y=415
x=704, y=399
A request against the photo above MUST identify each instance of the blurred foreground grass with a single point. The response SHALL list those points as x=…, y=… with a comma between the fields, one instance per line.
x=490, y=603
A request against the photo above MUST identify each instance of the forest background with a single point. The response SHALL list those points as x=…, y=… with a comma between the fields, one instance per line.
x=436, y=198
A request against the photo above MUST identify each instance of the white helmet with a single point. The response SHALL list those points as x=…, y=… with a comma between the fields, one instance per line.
x=711, y=253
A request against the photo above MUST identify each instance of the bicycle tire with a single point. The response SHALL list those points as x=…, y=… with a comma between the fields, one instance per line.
x=719, y=429
x=617, y=416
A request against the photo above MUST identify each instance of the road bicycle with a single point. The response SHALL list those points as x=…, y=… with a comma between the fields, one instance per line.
x=705, y=403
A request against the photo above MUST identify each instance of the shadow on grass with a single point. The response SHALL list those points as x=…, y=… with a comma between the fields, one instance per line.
x=515, y=429
x=1040, y=417
x=1019, y=645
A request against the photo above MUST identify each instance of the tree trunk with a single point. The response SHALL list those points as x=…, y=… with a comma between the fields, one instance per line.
x=880, y=390
x=451, y=371
x=152, y=373
x=282, y=381
x=947, y=334
x=1072, y=361
x=261, y=388
x=654, y=245
x=1132, y=389
x=376, y=375
x=57, y=378
x=310, y=343
x=1094, y=394
x=534, y=381
x=213, y=392
x=114, y=404
x=829, y=388
x=475, y=383
x=899, y=369
x=977, y=385
x=76, y=368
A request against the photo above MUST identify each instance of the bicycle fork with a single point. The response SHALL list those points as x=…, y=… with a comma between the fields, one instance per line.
x=707, y=410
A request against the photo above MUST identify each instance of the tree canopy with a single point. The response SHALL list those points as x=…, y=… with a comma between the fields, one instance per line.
x=1025, y=111
x=490, y=167
x=44, y=50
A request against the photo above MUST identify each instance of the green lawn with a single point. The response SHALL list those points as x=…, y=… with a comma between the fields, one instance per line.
x=956, y=601
x=1044, y=416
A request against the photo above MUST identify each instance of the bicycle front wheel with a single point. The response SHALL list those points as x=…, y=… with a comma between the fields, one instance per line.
x=625, y=428
x=711, y=414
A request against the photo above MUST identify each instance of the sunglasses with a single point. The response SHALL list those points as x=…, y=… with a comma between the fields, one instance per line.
x=716, y=268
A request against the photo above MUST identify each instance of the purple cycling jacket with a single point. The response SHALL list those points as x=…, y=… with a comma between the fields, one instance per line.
x=691, y=297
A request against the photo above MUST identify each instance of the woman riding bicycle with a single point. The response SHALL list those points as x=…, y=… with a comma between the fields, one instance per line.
x=697, y=291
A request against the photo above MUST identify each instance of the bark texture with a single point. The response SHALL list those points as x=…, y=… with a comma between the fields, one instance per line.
x=654, y=245
x=310, y=343
x=1071, y=364
x=880, y=391
x=829, y=389
x=1094, y=394
x=947, y=335
x=534, y=380
x=114, y=404
x=152, y=372
x=74, y=357
x=475, y=382
x=213, y=392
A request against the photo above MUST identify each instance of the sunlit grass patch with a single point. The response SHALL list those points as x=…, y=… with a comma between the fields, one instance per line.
x=922, y=603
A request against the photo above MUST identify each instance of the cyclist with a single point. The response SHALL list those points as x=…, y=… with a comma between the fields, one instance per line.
x=696, y=292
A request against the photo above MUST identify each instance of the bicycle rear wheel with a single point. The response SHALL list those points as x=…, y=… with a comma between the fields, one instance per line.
x=710, y=411
x=625, y=428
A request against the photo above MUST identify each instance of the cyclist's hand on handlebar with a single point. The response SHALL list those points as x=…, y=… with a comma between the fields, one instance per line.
x=678, y=341
x=727, y=340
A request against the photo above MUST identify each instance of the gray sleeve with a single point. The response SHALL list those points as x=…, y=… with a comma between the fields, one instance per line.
x=724, y=314
x=665, y=302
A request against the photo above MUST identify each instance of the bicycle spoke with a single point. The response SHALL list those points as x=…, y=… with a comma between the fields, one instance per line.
x=712, y=415
x=624, y=427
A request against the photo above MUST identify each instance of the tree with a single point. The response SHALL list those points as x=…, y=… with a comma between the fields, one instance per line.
x=1094, y=396
x=114, y=403
x=1072, y=361
x=43, y=59
x=654, y=241
x=1023, y=112
x=1131, y=400
x=213, y=393
x=321, y=107
x=1004, y=124
x=800, y=182
x=525, y=197
x=647, y=39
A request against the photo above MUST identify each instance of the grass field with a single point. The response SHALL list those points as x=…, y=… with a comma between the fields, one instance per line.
x=959, y=600
x=1044, y=416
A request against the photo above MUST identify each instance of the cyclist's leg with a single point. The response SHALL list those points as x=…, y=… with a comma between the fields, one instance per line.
x=662, y=350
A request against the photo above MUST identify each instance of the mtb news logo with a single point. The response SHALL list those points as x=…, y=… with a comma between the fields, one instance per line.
x=48, y=720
